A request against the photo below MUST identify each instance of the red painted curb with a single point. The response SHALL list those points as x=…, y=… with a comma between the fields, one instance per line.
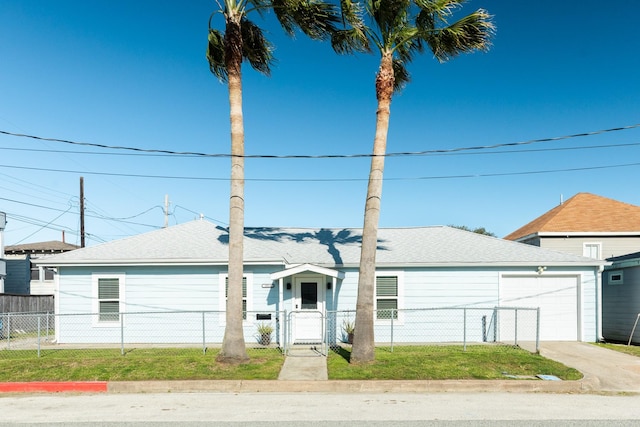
x=54, y=387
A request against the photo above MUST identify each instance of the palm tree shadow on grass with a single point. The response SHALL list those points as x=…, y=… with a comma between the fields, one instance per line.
x=328, y=237
x=342, y=352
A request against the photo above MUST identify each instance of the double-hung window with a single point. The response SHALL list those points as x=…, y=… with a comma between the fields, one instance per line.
x=247, y=281
x=244, y=294
x=108, y=293
x=387, y=295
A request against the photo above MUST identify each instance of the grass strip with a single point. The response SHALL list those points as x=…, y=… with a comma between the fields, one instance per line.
x=447, y=362
x=135, y=365
x=633, y=350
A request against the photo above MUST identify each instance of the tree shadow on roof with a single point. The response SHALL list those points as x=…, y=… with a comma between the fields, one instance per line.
x=331, y=238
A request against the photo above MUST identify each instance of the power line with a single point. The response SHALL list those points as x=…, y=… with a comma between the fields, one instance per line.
x=327, y=156
x=200, y=178
x=460, y=153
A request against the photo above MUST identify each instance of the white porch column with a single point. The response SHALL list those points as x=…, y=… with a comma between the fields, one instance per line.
x=283, y=320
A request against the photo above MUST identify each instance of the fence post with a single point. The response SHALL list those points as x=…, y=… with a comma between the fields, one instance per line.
x=39, y=319
x=204, y=335
x=285, y=331
x=122, y=334
x=48, y=328
x=464, y=329
x=8, y=331
x=538, y=330
x=516, y=331
x=394, y=312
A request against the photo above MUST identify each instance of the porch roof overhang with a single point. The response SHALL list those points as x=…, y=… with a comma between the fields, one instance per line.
x=302, y=268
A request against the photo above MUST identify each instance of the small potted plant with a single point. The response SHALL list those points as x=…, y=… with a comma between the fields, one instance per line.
x=264, y=333
x=348, y=327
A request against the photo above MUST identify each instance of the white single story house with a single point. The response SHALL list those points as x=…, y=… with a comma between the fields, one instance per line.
x=289, y=271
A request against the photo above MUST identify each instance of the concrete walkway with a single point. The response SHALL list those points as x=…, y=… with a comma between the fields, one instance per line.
x=304, y=363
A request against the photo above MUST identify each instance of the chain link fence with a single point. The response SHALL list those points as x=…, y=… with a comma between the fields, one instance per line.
x=35, y=334
x=510, y=326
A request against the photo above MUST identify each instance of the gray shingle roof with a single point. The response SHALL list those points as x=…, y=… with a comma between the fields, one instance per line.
x=203, y=242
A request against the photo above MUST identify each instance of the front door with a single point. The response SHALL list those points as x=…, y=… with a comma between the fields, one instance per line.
x=308, y=316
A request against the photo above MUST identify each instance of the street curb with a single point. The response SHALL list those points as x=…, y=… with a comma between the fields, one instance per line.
x=54, y=387
x=585, y=385
x=348, y=386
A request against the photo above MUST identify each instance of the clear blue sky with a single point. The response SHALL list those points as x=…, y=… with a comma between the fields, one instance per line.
x=134, y=73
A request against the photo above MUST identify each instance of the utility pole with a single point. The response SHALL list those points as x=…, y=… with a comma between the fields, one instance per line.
x=82, y=212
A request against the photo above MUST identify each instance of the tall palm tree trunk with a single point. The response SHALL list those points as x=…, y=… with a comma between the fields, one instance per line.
x=364, y=339
x=233, y=344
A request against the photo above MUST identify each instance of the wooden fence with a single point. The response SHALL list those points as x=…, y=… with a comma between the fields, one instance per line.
x=26, y=303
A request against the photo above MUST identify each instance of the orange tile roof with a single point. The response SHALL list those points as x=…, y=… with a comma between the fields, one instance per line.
x=584, y=212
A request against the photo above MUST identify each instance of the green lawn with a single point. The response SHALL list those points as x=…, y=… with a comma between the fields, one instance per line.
x=448, y=362
x=135, y=365
x=404, y=363
x=633, y=350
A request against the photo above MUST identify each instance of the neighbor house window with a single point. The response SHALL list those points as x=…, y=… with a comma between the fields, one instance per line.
x=592, y=250
x=386, y=297
x=46, y=272
x=108, y=301
x=616, y=277
x=244, y=295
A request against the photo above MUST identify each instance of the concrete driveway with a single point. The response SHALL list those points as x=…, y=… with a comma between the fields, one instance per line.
x=606, y=370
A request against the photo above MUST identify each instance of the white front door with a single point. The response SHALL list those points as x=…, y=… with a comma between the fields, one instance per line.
x=308, y=310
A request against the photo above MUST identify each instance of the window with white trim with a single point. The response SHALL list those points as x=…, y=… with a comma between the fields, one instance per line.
x=42, y=273
x=247, y=281
x=592, y=250
x=108, y=295
x=387, y=297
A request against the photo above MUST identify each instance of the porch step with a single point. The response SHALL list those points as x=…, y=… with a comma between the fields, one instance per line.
x=304, y=363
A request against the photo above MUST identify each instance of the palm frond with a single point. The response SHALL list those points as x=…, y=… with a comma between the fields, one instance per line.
x=389, y=15
x=400, y=74
x=256, y=48
x=315, y=18
x=471, y=33
x=349, y=41
x=215, y=55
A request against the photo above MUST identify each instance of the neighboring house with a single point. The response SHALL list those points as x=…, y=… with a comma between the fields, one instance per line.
x=586, y=225
x=26, y=278
x=621, y=299
x=184, y=267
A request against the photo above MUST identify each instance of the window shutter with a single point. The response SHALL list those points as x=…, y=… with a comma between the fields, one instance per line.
x=108, y=289
x=387, y=286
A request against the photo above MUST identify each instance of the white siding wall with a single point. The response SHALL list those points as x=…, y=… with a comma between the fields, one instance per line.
x=198, y=289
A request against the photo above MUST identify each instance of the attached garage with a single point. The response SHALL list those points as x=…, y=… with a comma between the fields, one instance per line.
x=557, y=297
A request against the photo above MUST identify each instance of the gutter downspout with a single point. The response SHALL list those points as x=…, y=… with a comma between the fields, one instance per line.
x=599, y=337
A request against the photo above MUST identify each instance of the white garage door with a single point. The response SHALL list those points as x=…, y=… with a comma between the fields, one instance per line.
x=557, y=297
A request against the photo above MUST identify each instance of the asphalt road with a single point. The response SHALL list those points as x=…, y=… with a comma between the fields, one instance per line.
x=320, y=409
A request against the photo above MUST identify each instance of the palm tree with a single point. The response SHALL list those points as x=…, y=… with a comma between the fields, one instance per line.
x=243, y=40
x=397, y=29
